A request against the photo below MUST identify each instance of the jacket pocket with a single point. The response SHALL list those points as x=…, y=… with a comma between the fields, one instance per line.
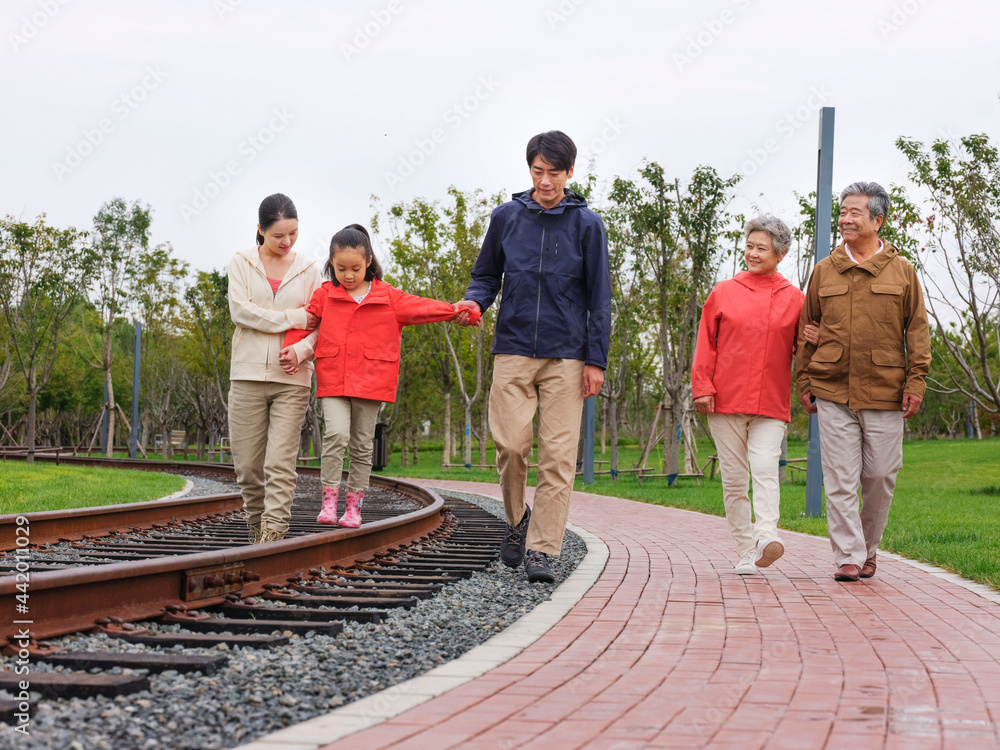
x=888, y=374
x=888, y=299
x=381, y=366
x=833, y=304
x=827, y=365
x=572, y=310
x=326, y=350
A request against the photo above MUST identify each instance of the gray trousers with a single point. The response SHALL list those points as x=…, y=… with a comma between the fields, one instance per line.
x=862, y=450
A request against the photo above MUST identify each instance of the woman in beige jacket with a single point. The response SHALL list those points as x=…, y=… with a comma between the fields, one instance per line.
x=269, y=287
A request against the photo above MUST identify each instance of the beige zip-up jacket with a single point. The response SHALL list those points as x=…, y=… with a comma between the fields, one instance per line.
x=874, y=340
x=262, y=317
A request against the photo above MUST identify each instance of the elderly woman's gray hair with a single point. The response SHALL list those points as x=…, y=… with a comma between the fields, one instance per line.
x=878, y=199
x=781, y=235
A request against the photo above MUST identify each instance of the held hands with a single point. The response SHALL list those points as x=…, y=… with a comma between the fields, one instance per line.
x=463, y=318
x=705, y=404
x=289, y=360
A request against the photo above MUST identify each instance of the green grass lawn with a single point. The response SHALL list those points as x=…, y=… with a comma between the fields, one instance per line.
x=944, y=512
x=45, y=486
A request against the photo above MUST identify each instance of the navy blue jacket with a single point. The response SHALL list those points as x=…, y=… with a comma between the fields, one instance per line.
x=553, y=263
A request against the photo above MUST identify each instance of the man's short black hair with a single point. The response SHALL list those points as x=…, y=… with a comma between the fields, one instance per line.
x=555, y=147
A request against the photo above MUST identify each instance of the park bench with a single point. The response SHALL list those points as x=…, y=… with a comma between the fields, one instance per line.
x=178, y=439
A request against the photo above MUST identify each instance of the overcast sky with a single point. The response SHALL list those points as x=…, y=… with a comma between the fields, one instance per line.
x=203, y=108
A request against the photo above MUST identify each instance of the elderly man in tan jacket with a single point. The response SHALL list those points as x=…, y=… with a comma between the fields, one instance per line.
x=864, y=375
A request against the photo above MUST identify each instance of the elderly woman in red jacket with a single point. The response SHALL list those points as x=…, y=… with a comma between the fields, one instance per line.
x=742, y=379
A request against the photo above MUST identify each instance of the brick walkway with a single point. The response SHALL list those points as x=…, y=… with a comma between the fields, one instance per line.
x=671, y=649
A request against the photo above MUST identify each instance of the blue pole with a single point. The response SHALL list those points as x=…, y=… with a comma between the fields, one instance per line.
x=133, y=443
x=824, y=207
x=589, y=417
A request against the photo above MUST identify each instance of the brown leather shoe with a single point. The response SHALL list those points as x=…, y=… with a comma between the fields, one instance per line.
x=847, y=573
x=868, y=569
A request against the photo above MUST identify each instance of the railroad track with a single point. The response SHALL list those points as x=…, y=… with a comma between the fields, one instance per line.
x=186, y=565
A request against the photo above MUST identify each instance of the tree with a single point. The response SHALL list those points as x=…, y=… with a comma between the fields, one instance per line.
x=158, y=306
x=43, y=269
x=960, y=269
x=121, y=242
x=678, y=235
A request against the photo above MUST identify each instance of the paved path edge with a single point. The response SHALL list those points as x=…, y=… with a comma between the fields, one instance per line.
x=375, y=709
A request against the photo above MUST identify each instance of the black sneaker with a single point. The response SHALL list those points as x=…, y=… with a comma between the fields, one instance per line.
x=537, y=568
x=514, y=538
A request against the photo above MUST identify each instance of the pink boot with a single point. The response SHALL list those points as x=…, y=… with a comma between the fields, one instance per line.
x=352, y=518
x=328, y=514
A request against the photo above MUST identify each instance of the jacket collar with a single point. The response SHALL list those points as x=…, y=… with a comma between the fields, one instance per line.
x=874, y=265
x=771, y=281
x=378, y=294
x=299, y=263
x=572, y=200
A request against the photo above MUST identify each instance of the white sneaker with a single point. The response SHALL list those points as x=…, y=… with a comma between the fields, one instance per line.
x=769, y=549
x=745, y=566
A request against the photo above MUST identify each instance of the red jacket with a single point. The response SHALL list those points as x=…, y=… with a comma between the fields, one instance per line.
x=746, y=340
x=357, y=352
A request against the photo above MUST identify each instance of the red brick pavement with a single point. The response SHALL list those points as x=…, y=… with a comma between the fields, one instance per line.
x=671, y=649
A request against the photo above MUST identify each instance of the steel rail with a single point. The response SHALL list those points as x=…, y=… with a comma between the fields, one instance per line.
x=71, y=600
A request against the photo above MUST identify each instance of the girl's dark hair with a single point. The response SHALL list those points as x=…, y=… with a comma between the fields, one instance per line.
x=352, y=236
x=274, y=208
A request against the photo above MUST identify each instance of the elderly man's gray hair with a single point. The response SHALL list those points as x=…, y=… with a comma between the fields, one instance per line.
x=878, y=198
x=781, y=235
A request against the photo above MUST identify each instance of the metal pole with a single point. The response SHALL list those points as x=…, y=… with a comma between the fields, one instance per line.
x=133, y=443
x=104, y=420
x=824, y=207
x=589, y=417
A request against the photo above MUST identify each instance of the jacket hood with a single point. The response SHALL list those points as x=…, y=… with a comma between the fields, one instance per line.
x=572, y=200
x=874, y=265
x=773, y=281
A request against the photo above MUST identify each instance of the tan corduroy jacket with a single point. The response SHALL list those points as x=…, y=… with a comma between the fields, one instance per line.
x=262, y=316
x=874, y=341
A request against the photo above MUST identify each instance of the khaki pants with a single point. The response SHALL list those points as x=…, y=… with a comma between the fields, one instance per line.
x=350, y=425
x=265, y=422
x=553, y=388
x=861, y=449
x=749, y=445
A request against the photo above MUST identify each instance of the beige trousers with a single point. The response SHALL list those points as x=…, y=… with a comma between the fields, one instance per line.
x=749, y=445
x=861, y=449
x=553, y=388
x=265, y=422
x=349, y=425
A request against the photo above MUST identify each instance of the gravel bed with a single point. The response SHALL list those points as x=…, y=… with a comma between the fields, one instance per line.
x=261, y=691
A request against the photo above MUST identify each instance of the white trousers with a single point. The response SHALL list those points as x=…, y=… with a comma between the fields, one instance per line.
x=749, y=445
x=861, y=449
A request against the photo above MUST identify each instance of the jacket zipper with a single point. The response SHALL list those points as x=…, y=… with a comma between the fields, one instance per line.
x=538, y=304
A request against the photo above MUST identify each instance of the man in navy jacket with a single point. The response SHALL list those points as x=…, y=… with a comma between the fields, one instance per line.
x=550, y=254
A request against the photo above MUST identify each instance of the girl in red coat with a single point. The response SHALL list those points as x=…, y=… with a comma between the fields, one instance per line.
x=357, y=360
